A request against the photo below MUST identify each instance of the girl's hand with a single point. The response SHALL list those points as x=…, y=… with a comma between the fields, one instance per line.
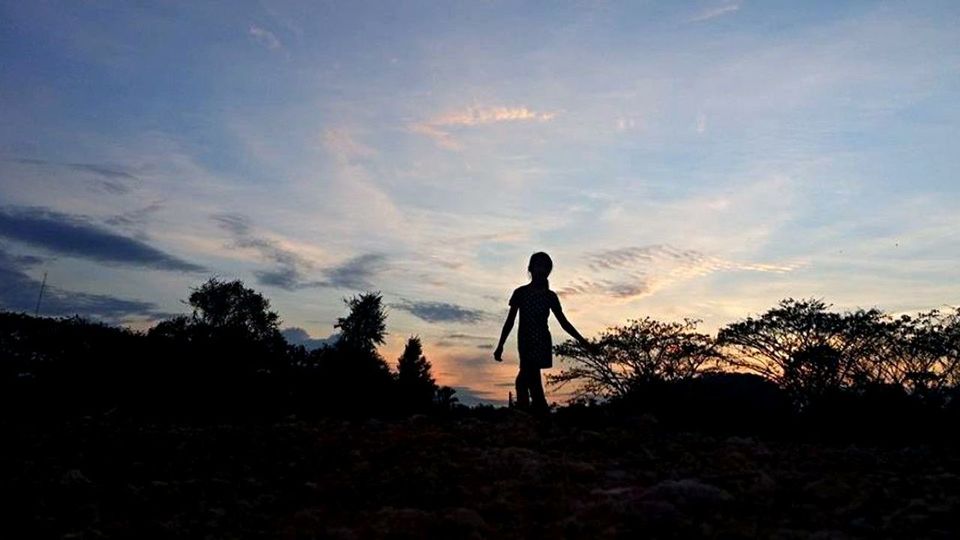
x=498, y=353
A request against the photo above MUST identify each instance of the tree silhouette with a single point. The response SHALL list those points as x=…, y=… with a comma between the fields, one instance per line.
x=416, y=388
x=230, y=305
x=356, y=378
x=810, y=351
x=365, y=326
x=227, y=356
x=625, y=357
x=930, y=363
x=446, y=398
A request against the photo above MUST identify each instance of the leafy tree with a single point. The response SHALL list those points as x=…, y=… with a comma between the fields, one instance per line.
x=230, y=305
x=365, y=326
x=643, y=351
x=931, y=352
x=415, y=384
x=355, y=379
x=175, y=326
x=446, y=398
x=811, y=351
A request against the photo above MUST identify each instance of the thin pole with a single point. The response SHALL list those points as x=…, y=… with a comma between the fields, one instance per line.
x=36, y=312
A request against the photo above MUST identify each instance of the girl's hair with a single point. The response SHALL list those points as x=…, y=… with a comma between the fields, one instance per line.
x=543, y=265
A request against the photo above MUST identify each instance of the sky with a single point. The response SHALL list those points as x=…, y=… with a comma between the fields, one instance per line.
x=676, y=159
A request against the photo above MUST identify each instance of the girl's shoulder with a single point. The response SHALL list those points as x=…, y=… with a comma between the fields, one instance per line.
x=522, y=289
x=530, y=289
x=518, y=294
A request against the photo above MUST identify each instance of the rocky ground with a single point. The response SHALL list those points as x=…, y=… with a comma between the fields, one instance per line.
x=496, y=475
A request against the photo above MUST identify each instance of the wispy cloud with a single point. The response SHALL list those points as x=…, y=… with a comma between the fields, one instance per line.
x=438, y=312
x=438, y=128
x=475, y=116
x=289, y=267
x=110, y=178
x=135, y=220
x=460, y=340
x=291, y=271
x=345, y=147
x=77, y=236
x=19, y=292
x=632, y=272
x=356, y=273
x=716, y=11
x=265, y=38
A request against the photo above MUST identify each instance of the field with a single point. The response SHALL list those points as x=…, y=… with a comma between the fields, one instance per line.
x=481, y=474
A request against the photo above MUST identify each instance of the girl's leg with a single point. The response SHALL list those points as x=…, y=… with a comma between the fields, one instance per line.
x=523, y=392
x=535, y=385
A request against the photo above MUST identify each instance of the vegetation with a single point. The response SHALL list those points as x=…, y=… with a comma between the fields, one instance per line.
x=416, y=389
x=227, y=359
x=625, y=358
x=799, y=360
x=799, y=422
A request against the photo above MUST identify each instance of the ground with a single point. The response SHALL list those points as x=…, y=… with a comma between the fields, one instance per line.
x=501, y=474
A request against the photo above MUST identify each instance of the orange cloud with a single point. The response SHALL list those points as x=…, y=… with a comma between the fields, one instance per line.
x=475, y=116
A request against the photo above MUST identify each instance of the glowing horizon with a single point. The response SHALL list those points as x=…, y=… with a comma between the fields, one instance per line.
x=698, y=159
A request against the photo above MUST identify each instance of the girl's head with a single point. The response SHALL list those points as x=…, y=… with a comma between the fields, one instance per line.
x=539, y=268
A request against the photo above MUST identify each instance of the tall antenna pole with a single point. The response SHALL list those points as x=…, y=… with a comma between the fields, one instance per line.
x=36, y=312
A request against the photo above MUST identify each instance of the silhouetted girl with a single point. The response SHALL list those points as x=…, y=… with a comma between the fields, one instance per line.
x=534, y=301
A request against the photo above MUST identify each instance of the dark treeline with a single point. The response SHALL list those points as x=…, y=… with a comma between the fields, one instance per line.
x=800, y=364
x=797, y=366
x=227, y=359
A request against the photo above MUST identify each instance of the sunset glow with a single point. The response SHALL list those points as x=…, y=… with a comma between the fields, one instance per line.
x=676, y=159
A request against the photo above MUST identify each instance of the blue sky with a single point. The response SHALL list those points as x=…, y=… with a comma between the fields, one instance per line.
x=700, y=159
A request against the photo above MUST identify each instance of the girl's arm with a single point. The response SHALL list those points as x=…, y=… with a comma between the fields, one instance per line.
x=507, y=327
x=565, y=324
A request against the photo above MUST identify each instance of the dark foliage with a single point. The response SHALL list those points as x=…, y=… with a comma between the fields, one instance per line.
x=365, y=327
x=416, y=389
x=860, y=373
x=106, y=431
x=627, y=357
x=797, y=364
x=816, y=355
x=227, y=359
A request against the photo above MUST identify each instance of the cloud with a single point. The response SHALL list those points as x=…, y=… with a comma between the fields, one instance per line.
x=110, y=178
x=265, y=38
x=101, y=170
x=716, y=11
x=632, y=272
x=344, y=147
x=626, y=123
x=475, y=116
x=291, y=270
x=134, y=220
x=76, y=236
x=442, y=138
x=472, y=396
x=466, y=337
x=19, y=292
x=459, y=339
x=299, y=336
x=435, y=312
x=437, y=128
x=356, y=273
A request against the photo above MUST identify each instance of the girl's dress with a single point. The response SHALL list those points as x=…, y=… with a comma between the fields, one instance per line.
x=533, y=335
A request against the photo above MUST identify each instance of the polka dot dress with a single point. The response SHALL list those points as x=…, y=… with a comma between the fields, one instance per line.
x=533, y=335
